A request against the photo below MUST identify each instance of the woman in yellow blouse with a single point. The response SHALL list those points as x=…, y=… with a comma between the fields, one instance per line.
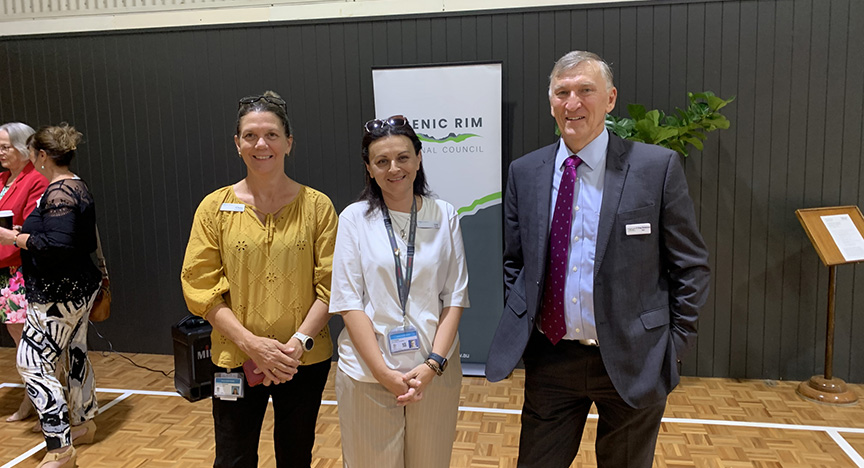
x=258, y=267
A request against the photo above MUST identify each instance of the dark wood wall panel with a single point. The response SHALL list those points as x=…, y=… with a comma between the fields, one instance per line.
x=158, y=109
x=806, y=287
x=853, y=176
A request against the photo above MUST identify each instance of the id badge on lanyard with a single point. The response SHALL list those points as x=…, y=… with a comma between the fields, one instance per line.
x=405, y=338
x=228, y=385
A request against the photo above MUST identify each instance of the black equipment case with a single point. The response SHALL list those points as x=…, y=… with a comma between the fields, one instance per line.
x=193, y=369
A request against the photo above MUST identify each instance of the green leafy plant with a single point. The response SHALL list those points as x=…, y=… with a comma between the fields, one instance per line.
x=686, y=127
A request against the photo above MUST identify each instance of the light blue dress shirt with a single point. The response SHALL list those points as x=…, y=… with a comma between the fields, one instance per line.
x=587, y=198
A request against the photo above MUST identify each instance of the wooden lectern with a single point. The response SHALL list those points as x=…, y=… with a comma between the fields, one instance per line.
x=827, y=388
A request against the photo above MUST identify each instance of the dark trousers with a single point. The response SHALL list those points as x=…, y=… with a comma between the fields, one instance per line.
x=295, y=412
x=561, y=383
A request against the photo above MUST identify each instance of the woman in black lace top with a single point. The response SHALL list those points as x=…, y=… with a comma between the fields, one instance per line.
x=56, y=241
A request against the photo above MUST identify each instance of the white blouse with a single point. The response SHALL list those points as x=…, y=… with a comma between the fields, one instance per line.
x=364, y=278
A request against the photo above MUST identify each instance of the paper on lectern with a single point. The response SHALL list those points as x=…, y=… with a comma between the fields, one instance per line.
x=846, y=236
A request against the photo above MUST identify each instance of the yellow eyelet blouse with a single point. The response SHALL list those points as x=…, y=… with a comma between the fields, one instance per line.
x=269, y=274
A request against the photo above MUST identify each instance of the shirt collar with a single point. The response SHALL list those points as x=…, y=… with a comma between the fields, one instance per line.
x=592, y=155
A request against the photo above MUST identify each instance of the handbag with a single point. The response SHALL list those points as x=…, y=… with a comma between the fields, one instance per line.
x=101, y=309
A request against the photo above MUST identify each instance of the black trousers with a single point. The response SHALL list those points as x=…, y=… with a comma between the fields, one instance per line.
x=561, y=383
x=295, y=409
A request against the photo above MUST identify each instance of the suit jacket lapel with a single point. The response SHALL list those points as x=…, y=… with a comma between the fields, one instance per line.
x=543, y=188
x=613, y=186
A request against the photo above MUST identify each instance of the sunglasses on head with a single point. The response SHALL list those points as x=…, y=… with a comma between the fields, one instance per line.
x=393, y=121
x=271, y=99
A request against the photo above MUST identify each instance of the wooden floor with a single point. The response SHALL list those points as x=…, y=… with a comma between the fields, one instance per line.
x=708, y=423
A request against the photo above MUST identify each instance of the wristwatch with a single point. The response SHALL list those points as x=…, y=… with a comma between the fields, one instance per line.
x=440, y=360
x=305, y=340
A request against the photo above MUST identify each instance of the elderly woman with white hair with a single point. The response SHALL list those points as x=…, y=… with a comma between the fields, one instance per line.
x=21, y=188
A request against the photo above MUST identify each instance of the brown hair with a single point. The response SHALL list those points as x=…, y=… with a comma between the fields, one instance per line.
x=372, y=191
x=264, y=105
x=59, y=142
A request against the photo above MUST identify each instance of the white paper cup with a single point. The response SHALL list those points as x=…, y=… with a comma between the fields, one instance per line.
x=6, y=219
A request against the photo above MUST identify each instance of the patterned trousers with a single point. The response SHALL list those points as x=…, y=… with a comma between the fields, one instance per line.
x=50, y=330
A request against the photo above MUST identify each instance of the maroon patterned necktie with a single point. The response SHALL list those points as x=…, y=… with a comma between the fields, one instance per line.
x=552, y=317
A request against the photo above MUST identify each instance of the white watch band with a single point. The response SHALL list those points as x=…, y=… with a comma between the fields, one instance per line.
x=305, y=340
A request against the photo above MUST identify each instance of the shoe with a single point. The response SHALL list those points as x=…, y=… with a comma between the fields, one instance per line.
x=25, y=410
x=70, y=455
x=87, y=437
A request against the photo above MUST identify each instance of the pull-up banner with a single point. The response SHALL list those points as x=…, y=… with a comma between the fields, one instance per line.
x=456, y=112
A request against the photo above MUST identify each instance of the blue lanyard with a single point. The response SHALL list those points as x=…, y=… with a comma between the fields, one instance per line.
x=403, y=283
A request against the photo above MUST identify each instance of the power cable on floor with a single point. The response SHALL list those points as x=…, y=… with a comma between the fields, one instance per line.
x=111, y=350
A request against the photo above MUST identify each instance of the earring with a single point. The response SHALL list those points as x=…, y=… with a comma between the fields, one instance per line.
x=43, y=167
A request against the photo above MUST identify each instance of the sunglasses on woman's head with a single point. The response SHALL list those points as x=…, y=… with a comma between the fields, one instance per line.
x=393, y=121
x=271, y=99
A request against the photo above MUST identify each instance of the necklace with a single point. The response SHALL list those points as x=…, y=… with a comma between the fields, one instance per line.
x=403, y=227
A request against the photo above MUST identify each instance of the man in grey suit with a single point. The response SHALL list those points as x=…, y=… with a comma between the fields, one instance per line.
x=603, y=250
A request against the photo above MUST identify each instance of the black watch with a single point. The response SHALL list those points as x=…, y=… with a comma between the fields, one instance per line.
x=305, y=340
x=440, y=360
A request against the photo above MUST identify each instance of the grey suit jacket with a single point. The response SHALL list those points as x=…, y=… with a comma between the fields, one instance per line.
x=647, y=288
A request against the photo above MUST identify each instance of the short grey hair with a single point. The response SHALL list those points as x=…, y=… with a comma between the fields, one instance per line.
x=18, y=134
x=572, y=59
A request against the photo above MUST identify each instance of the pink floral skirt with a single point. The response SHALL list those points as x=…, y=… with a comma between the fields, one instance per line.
x=13, y=304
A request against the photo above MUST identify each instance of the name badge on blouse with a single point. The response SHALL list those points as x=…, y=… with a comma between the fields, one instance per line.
x=228, y=386
x=428, y=225
x=238, y=207
x=403, y=339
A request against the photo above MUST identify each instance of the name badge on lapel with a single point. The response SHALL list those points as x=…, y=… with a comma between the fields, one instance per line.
x=641, y=229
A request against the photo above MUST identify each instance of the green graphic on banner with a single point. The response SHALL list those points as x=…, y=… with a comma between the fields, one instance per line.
x=451, y=137
x=473, y=207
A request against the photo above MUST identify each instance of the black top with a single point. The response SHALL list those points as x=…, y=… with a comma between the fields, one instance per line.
x=57, y=265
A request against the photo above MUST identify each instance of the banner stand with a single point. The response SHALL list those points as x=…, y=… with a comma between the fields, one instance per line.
x=456, y=111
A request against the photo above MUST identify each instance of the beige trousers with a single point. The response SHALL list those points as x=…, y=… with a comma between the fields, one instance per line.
x=378, y=434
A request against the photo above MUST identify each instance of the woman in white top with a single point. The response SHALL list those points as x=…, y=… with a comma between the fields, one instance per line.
x=398, y=397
